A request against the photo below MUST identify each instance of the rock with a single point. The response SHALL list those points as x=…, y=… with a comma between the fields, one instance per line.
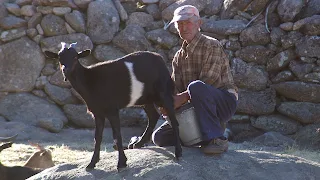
x=276, y=34
x=233, y=45
x=167, y=12
x=312, y=7
x=53, y=25
x=34, y=20
x=275, y=139
x=78, y=115
x=11, y=22
x=311, y=26
x=299, y=91
x=308, y=136
x=39, y=93
x=122, y=12
x=12, y=34
x=256, y=102
x=248, y=76
x=48, y=69
x=308, y=47
x=13, y=8
x=133, y=116
x=213, y=7
x=82, y=3
x=277, y=123
x=59, y=95
x=286, y=26
x=154, y=11
x=52, y=125
x=287, y=10
x=224, y=27
x=20, y=69
x=255, y=35
x=53, y=44
x=76, y=21
x=107, y=52
x=231, y=7
x=149, y=1
x=102, y=21
x=45, y=9
x=303, y=112
x=300, y=69
x=308, y=59
x=29, y=109
x=51, y=3
x=258, y=54
x=140, y=18
x=281, y=60
x=58, y=80
x=312, y=77
x=28, y=10
x=239, y=119
x=257, y=6
x=290, y=39
x=163, y=38
x=132, y=39
x=60, y=11
x=158, y=163
x=39, y=29
x=155, y=25
x=283, y=76
x=41, y=82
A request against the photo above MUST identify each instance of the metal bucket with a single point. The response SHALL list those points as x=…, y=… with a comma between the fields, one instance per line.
x=189, y=130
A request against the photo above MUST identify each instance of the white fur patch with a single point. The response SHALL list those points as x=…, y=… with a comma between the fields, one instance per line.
x=136, y=86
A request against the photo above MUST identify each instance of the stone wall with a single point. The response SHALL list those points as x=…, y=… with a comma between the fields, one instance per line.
x=273, y=45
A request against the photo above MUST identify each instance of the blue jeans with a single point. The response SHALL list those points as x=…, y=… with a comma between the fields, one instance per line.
x=213, y=107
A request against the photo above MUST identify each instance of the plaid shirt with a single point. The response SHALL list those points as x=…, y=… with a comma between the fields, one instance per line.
x=203, y=59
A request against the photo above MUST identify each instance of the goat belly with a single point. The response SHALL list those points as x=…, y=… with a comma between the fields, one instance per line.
x=136, y=86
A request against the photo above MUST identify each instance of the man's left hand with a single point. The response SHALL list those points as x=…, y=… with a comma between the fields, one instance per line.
x=178, y=100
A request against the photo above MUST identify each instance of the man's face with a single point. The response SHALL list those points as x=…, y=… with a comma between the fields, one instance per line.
x=188, y=29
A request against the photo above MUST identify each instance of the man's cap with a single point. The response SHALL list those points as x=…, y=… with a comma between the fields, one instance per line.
x=183, y=13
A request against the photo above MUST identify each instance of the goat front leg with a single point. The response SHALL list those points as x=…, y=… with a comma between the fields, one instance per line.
x=153, y=117
x=99, y=121
x=114, y=120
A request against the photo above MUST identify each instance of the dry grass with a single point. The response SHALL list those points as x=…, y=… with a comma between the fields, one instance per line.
x=308, y=154
x=19, y=153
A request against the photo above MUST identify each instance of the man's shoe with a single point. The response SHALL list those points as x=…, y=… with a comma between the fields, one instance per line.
x=216, y=146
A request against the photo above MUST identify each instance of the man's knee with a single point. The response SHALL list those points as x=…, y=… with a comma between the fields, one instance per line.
x=195, y=87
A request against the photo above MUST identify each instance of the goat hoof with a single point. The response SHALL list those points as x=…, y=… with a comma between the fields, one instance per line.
x=120, y=169
x=90, y=167
x=134, y=140
x=178, y=155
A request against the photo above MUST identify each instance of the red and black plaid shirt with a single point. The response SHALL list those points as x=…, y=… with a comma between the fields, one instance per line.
x=203, y=59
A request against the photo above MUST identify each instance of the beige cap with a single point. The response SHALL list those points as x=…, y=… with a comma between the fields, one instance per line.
x=183, y=13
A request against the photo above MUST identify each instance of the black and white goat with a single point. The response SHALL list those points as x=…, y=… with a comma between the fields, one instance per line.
x=140, y=78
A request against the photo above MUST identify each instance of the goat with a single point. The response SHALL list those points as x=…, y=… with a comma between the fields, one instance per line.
x=37, y=162
x=139, y=78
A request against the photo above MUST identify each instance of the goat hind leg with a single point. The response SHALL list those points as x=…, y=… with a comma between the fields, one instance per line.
x=168, y=105
x=153, y=117
x=99, y=121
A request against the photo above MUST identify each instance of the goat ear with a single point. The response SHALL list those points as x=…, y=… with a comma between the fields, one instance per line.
x=51, y=54
x=84, y=53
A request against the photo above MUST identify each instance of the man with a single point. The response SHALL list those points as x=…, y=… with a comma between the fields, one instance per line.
x=201, y=73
